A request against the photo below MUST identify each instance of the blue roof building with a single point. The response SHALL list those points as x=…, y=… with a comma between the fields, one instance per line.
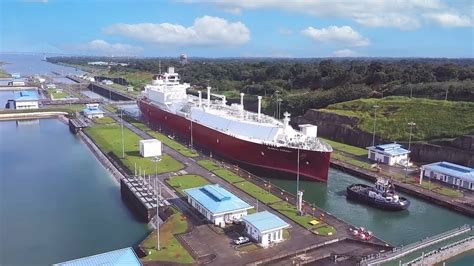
x=26, y=99
x=450, y=173
x=217, y=204
x=121, y=257
x=391, y=154
x=265, y=227
x=93, y=111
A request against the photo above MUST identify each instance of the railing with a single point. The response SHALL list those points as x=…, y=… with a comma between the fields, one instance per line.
x=398, y=252
x=433, y=252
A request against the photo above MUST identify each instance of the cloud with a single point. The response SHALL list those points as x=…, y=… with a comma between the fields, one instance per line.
x=344, y=35
x=206, y=31
x=232, y=10
x=345, y=53
x=104, y=48
x=448, y=19
x=285, y=31
x=402, y=14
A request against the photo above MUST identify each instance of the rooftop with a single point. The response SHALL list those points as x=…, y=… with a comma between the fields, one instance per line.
x=451, y=169
x=216, y=199
x=29, y=95
x=392, y=149
x=92, y=111
x=265, y=221
x=126, y=257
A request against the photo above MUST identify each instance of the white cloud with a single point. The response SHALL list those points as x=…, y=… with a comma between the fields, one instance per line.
x=344, y=35
x=345, y=53
x=206, y=31
x=448, y=19
x=402, y=14
x=102, y=47
x=285, y=31
x=232, y=10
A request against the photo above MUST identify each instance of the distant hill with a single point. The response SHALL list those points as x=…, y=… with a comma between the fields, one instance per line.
x=434, y=118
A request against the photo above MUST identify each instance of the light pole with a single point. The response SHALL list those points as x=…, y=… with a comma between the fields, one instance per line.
x=157, y=159
x=157, y=217
x=411, y=124
x=298, y=178
x=191, y=119
x=123, y=145
x=375, y=119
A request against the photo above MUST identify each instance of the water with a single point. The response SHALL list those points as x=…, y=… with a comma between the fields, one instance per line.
x=57, y=202
x=4, y=97
x=422, y=220
x=27, y=64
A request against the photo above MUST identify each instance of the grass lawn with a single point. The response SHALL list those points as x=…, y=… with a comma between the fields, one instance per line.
x=228, y=176
x=257, y=192
x=346, y=148
x=108, y=137
x=352, y=161
x=182, y=182
x=57, y=95
x=248, y=247
x=104, y=120
x=325, y=230
x=434, y=118
x=209, y=165
x=170, y=248
x=289, y=211
x=161, y=137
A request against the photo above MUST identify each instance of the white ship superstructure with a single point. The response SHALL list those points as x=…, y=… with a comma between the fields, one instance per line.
x=167, y=93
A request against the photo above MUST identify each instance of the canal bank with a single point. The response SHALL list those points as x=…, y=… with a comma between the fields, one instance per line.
x=57, y=201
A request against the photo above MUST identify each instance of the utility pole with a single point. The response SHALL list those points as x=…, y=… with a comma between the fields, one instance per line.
x=191, y=119
x=298, y=176
x=411, y=124
x=375, y=119
x=123, y=145
x=157, y=219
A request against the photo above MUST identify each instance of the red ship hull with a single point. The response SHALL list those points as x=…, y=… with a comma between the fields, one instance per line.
x=314, y=165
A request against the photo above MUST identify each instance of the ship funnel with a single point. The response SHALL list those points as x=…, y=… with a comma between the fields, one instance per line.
x=208, y=96
x=200, y=98
x=259, y=105
x=242, y=103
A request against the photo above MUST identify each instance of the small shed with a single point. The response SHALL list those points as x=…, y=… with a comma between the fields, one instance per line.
x=121, y=257
x=265, y=227
x=391, y=154
x=218, y=205
x=150, y=148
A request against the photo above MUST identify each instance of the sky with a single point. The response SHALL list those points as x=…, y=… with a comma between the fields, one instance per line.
x=240, y=28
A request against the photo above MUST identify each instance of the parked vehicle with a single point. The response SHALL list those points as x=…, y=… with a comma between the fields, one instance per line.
x=241, y=240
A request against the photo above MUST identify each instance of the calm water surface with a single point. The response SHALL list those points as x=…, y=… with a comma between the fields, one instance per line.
x=57, y=202
x=32, y=64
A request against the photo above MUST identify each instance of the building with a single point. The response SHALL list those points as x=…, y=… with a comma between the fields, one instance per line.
x=121, y=257
x=93, y=111
x=51, y=86
x=390, y=154
x=265, y=227
x=17, y=82
x=26, y=100
x=150, y=148
x=218, y=205
x=449, y=173
x=16, y=75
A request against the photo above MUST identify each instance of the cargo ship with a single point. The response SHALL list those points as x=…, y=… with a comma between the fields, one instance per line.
x=251, y=140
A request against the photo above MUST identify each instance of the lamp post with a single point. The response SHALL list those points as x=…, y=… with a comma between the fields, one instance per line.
x=411, y=124
x=298, y=179
x=123, y=145
x=375, y=119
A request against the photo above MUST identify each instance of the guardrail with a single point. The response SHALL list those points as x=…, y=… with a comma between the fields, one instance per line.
x=403, y=250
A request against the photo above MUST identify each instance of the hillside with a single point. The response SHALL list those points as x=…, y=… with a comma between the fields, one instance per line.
x=434, y=118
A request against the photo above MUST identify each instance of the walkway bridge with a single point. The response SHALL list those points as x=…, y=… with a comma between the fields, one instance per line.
x=398, y=252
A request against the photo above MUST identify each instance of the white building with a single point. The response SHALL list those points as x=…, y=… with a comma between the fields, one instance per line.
x=390, y=154
x=265, y=228
x=218, y=205
x=93, y=111
x=107, y=82
x=150, y=148
x=26, y=100
x=449, y=173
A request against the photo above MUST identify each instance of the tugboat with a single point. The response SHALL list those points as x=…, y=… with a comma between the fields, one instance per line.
x=381, y=196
